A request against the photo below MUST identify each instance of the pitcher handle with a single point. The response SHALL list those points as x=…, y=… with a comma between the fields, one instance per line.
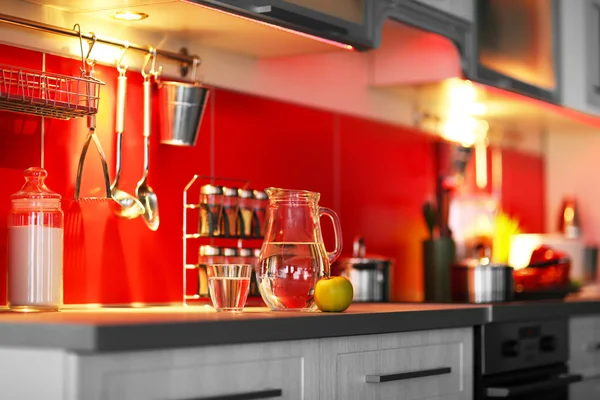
x=337, y=231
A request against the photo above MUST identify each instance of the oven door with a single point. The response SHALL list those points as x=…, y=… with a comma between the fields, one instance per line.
x=540, y=383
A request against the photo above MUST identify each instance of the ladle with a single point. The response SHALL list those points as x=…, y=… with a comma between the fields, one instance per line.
x=144, y=192
x=130, y=206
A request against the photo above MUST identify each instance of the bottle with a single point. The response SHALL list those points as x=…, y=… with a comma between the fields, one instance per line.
x=35, y=246
x=569, y=223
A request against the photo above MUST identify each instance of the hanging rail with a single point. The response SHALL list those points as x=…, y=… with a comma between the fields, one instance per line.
x=184, y=58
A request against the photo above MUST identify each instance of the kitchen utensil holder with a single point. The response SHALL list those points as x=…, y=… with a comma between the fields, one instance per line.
x=45, y=94
x=192, y=191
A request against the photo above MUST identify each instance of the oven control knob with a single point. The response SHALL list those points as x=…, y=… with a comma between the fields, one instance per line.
x=510, y=348
x=548, y=343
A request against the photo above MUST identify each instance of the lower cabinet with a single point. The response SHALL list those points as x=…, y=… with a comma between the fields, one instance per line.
x=407, y=366
x=423, y=365
x=584, y=345
x=586, y=390
x=242, y=372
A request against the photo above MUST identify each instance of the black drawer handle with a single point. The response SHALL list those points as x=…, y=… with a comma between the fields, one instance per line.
x=407, y=375
x=261, y=394
x=521, y=390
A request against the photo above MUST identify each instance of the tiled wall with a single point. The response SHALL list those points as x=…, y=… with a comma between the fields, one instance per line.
x=375, y=176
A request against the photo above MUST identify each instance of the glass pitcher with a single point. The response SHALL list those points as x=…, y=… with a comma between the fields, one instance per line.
x=293, y=256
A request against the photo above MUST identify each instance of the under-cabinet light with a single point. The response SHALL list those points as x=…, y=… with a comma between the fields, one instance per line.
x=129, y=16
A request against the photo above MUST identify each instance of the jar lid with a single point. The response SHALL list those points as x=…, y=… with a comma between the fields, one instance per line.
x=35, y=192
x=260, y=195
x=211, y=189
x=246, y=194
x=206, y=250
x=230, y=251
x=35, y=186
x=230, y=192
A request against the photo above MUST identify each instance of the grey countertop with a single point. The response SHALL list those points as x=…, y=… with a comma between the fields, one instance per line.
x=128, y=329
x=112, y=329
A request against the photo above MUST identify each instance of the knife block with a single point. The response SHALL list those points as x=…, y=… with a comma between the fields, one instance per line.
x=438, y=256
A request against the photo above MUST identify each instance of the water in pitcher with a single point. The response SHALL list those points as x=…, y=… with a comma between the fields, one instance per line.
x=289, y=272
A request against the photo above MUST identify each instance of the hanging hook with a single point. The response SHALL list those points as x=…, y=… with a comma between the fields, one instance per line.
x=94, y=40
x=195, y=65
x=151, y=54
x=120, y=67
x=155, y=71
x=77, y=29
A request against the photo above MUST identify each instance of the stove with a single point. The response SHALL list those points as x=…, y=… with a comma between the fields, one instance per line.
x=523, y=360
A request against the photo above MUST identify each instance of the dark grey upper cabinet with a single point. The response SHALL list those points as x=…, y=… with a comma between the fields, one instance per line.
x=432, y=16
x=517, y=46
x=464, y=9
x=580, y=60
x=342, y=21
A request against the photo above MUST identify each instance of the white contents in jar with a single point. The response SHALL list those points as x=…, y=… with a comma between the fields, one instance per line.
x=35, y=266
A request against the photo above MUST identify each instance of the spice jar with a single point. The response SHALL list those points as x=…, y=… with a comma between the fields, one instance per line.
x=35, y=246
x=207, y=255
x=261, y=202
x=230, y=212
x=247, y=256
x=245, y=216
x=211, y=206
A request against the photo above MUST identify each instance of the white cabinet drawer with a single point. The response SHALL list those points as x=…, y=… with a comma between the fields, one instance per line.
x=260, y=371
x=408, y=366
x=584, y=345
x=276, y=379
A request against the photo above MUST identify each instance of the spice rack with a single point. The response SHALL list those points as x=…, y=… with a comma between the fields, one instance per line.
x=236, y=248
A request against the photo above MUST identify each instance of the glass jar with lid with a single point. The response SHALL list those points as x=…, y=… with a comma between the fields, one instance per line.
x=35, y=246
x=246, y=214
x=207, y=255
x=229, y=223
x=211, y=207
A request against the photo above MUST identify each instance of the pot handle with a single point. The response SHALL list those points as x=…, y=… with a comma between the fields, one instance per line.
x=337, y=231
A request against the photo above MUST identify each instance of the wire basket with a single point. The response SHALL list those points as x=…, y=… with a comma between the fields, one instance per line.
x=45, y=94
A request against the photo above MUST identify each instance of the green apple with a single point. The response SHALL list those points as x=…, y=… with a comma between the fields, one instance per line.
x=333, y=293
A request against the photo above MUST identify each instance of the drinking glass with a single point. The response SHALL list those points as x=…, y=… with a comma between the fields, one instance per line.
x=229, y=285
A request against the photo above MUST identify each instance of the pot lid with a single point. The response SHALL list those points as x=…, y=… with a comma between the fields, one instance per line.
x=359, y=258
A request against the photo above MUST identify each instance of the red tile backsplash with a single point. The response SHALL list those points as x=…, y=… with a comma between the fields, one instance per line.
x=376, y=176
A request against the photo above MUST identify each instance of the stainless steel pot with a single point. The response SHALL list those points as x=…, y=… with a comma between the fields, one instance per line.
x=477, y=282
x=370, y=276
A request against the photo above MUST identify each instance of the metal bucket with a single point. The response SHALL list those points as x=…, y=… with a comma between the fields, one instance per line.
x=181, y=108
